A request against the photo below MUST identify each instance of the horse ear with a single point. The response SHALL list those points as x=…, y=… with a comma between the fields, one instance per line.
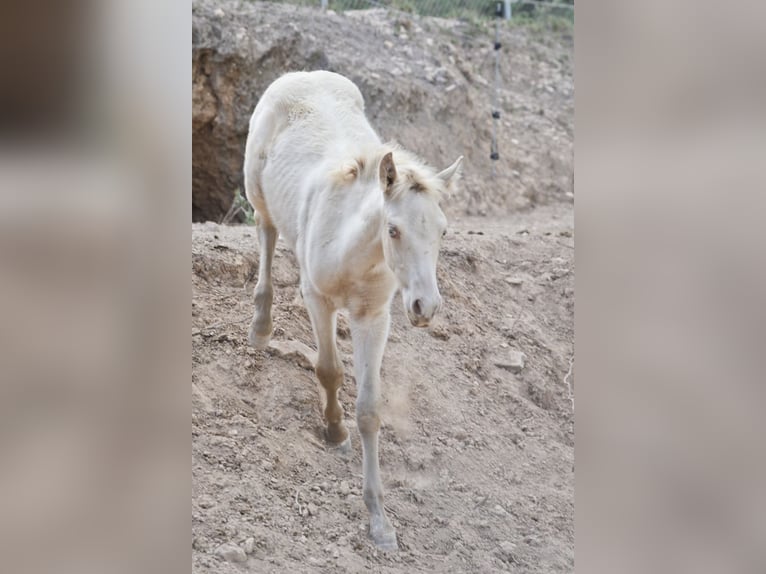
x=387, y=172
x=451, y=175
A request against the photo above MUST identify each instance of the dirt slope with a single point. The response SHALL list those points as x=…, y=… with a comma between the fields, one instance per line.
x=478, y=461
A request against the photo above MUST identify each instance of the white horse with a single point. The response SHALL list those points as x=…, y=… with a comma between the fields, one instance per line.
x=363, y=219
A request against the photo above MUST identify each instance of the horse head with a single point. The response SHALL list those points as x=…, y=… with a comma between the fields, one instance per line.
x=413, y=228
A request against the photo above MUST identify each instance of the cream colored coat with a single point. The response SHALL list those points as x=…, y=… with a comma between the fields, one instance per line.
x=363, y=219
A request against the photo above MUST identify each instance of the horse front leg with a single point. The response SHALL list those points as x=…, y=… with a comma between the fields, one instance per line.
x=329, y=367
x=369, y=337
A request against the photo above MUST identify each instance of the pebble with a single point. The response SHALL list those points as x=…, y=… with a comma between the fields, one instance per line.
x=514, y=280
x=344, y=488
x=231, y=552
x=249, y=545
x=512, y=360
x=312, y=508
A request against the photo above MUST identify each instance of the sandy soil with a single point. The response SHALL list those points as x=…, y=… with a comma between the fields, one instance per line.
x=477, y=459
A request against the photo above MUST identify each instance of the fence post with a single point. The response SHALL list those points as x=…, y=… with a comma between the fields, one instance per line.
x=324, y=4
x=507, y=9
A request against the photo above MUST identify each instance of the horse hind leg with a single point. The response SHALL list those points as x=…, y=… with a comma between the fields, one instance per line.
x=261, y=325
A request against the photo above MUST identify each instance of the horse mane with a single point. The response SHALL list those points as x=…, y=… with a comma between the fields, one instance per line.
x=414, y=175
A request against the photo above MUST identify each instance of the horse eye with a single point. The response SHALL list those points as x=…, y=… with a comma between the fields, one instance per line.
x=444, y=233
x=393, y=231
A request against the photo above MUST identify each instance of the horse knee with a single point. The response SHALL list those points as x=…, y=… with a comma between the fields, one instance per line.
x=368, y=422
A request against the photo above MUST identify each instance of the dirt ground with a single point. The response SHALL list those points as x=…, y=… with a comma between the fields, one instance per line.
x=477, y=457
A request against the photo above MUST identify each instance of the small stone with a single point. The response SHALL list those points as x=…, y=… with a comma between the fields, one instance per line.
x=344, y=488
x=312, y=508
x=249, y=545
x=514, y=281
x=512, y=360
x=206, y=502
x=231, y=552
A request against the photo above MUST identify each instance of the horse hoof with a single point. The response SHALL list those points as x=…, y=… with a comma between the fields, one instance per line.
x=258, y=341
x=385, y=541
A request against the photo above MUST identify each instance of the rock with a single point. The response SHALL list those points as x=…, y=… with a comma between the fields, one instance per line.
x=344, y=488
x=231, y=552
x=516, y=281
x=249, y=545
x=303, y=356
x=312, y=508
x=512, y=360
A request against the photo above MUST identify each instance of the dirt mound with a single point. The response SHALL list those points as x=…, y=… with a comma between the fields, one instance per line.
x=426, y=83
x=477, y=445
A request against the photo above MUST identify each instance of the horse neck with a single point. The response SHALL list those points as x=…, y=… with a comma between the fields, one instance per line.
x=366, y=237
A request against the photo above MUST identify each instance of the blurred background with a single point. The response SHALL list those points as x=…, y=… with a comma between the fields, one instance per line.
x=94, y=164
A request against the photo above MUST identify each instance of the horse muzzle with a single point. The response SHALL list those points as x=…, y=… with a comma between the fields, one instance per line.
x=421, y=310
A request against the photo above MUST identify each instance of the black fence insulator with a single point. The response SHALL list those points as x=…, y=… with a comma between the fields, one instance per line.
x=498, y=45
x=494, y=155
x=499, y=10
x=496, y=115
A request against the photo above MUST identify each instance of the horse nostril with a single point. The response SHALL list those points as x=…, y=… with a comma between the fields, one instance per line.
x=416, y=307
